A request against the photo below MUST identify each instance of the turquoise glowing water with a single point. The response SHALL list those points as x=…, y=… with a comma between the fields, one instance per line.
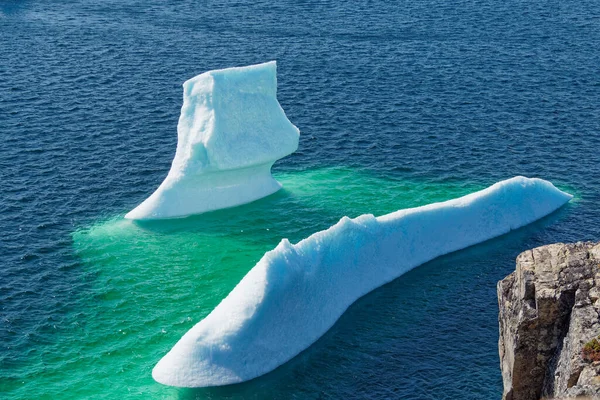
x=398, y=106
x=170, y=274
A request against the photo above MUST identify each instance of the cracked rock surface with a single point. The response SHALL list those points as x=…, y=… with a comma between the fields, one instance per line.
x=549, y=309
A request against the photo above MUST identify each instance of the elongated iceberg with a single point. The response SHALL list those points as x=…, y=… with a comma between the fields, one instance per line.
x=230, y=132
x=296, y=292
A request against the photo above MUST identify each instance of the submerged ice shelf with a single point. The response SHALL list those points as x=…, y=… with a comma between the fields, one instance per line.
x=230, y=132
x=295, y=293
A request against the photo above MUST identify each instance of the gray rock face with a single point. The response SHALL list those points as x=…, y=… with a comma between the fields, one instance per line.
x=549, y=310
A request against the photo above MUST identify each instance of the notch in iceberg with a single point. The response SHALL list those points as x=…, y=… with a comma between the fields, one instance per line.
x=295, y=293
x=230, y=132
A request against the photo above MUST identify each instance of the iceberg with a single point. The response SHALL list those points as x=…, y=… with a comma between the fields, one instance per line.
x=230, y=132
x=295, y=293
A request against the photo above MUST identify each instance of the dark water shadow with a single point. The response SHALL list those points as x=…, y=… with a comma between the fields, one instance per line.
x=305, y=365
x=13, y=7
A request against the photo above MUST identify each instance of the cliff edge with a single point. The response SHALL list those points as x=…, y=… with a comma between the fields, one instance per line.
x=549, y=323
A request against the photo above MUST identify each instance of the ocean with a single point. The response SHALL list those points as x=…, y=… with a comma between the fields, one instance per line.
x=399, y=105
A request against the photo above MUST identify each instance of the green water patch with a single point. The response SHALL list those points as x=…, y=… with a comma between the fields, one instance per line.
x=150, y=282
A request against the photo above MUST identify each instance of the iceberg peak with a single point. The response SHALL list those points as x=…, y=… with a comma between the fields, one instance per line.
x=230, y=132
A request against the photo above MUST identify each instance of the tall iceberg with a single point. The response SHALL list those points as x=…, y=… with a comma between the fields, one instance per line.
x=295, y=293
x=230, y=132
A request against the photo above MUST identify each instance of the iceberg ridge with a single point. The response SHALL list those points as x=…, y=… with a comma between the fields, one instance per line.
x=295, y=293
x=230, y=132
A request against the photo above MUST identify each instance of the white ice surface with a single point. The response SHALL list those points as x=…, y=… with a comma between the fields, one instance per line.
x=230, y=132
x=297, y=292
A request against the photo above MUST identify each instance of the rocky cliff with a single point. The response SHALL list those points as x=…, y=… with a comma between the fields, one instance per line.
x=549, y=312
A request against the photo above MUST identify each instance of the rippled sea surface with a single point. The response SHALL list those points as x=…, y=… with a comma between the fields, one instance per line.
x=399, y=104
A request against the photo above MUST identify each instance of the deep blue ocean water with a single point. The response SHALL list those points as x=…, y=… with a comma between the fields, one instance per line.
x=445, y=94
